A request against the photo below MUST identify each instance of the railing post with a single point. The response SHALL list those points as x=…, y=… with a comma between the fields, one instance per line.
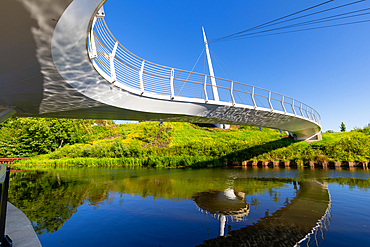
x=4, y=187
x=308, y=116
x=171, y=84
x=93, y=53
x=293, y=108
x=282, y=103
x=112, y=69
x=141, y=77
x=231, y=93
x=317, y=119
x=205, y=89
x=254, y=102
x=269, y=99
x=300, y=109
x=311, y=115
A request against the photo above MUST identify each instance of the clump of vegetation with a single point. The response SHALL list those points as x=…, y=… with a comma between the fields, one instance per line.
x=25, y=137
x=188, y=145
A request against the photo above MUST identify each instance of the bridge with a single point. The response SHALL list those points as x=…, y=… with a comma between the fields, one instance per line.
x=303, y=221
x=59, y=59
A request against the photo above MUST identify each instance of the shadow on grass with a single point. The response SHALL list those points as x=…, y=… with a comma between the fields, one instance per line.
x=247, y=153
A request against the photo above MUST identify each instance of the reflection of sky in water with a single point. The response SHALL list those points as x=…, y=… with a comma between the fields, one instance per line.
x=118, y=214
x=134, y=221
x=269, y=202
x=131, y=220
x=350, y=224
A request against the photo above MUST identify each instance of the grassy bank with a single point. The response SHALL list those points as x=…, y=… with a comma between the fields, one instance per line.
x=187, y=145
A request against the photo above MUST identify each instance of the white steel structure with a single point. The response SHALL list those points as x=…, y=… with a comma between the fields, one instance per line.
x=80, y=70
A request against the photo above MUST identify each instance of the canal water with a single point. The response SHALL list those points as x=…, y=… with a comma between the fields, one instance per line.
x=190, y=207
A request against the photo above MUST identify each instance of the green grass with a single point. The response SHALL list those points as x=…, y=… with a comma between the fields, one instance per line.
x=187, y=145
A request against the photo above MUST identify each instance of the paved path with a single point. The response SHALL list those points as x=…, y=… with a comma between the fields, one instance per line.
x=18, y=227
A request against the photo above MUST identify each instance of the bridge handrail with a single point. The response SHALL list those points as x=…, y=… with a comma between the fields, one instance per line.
x=318, y=233
x=125, y=69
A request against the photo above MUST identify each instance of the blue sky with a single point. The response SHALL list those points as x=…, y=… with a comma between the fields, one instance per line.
x=328, y=69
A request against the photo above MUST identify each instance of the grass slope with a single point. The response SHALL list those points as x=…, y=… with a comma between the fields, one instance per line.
x=187, y=145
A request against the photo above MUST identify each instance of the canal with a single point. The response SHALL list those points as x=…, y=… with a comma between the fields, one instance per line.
x=195, y=207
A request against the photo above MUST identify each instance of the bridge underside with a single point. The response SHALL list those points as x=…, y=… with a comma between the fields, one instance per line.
x=45, y=71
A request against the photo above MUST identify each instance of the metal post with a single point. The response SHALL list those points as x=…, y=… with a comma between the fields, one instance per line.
x=111, y=58
x=205, y=89
x=282, y=104
x=4, y=187
x=300, y=109
x=93, y=54
x=141, y=77
x=270, y=101
x=307, y=113
x=210, y=68
x=254, y=102
x=293, y=108
x=316, y=117
x=171, y=84
x=311, y=115
x=231, y=93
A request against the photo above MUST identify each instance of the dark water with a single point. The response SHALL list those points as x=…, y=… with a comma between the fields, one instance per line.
x=208, y=207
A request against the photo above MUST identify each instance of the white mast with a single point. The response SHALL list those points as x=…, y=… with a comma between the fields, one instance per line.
x=210, y=68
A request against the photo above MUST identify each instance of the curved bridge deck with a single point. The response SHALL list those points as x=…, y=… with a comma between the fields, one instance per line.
x=72, y=66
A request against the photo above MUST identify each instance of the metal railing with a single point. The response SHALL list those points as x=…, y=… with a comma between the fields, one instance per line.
x=132, y=73
x=4, y=186
x=318, y=233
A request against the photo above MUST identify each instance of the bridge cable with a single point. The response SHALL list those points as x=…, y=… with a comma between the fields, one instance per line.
x=306, y=29
x=231, y=74
x=190, y=72
x=217, y=59
x=264, y=24
x=312, y=22
x=318, y=12
x=315, y=21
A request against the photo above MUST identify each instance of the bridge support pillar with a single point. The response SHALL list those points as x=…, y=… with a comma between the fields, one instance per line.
x=313, y=138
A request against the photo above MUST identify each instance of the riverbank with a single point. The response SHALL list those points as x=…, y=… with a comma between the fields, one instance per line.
x=188, y=145
x=19, y=228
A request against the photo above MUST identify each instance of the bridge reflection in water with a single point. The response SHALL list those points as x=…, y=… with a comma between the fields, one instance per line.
x=223, y=204
x=302, y=222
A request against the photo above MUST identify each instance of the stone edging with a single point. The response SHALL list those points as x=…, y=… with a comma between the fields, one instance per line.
x=322, y=164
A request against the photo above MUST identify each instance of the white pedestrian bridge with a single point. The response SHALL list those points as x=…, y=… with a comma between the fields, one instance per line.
x=59, y=59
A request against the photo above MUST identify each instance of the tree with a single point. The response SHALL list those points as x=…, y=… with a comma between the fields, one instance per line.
x=342, y=127
x=21, y=137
